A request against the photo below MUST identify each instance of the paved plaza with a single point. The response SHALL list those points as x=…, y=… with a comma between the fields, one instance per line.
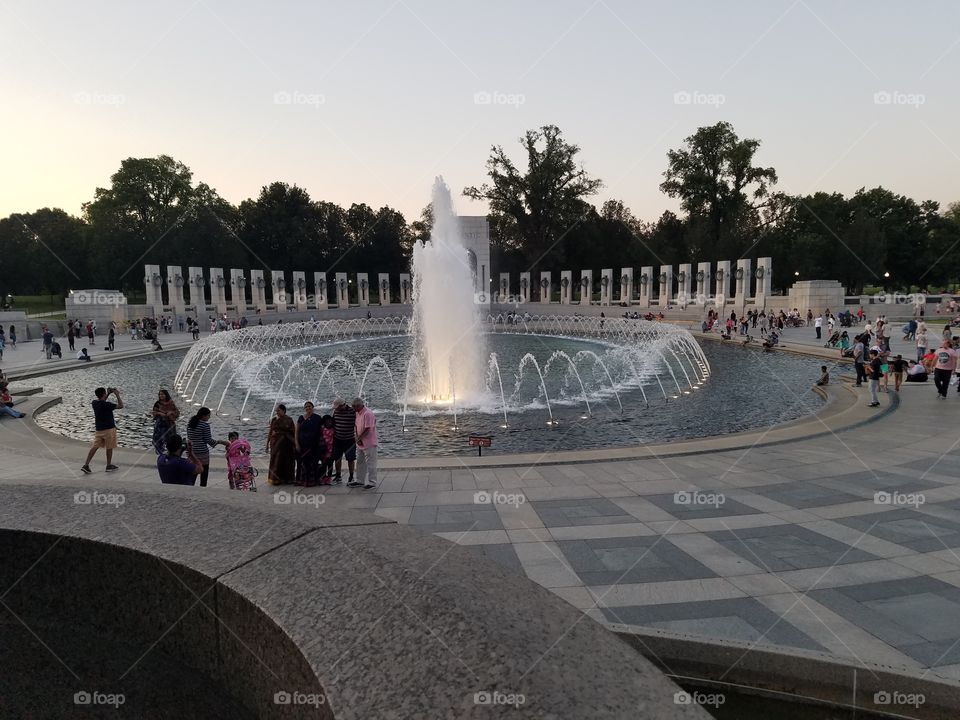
x=839, y=533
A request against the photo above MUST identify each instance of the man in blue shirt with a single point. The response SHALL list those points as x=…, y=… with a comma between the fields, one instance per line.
x=173, y=468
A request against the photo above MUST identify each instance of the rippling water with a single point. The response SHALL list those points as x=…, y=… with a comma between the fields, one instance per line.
x=747, y=389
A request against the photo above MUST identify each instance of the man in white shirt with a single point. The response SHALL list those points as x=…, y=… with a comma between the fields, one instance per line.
x=818, y=324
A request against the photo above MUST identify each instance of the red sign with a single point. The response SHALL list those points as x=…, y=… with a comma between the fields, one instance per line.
x=480, y=441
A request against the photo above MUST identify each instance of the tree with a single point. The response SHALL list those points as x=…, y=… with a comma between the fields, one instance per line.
x=43, y=252
x=533, y=210
x=715, y=178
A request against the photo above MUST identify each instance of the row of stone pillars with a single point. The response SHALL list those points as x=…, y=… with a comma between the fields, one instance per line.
x=663, y=289
x=251, y=291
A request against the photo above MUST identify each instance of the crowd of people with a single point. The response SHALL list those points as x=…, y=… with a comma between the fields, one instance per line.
x=307, y=452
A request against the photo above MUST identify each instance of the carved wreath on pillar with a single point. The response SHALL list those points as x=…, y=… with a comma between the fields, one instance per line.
x=241, y=281
x=663, y=278
x=719, y=274
x=301, y=284
x=585, y=282
x=544, y=283
x=565, y=283
x=681, y=276
x=363, y=284
x=624, y=279
x=405, y=284
x=384, y=286
x=739, y=273
x=280, y=282
x=178, y=281
x=343, y=285
x=157, y=280
x=644, y=279
x=261, y=282
x=759, y=273
x=524, y=283
x=220, y=281
x=700, y=276
x=503, y=287
x=605, y=280
x=198, y=280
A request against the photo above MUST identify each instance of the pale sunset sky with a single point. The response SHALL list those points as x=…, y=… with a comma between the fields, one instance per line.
x=368, y=101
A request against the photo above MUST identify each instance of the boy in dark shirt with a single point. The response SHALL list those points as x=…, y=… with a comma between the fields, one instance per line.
x=899, y=367
x=173, y=468
x=824, y=376
x=106, y=428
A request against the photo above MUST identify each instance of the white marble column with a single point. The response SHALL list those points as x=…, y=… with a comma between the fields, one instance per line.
x=238, y=290
x=684, y=283
x=722, y=280
x=566, y=287
x=343, y=290
x=646, y=286
x=406, y=288
x=764, y=275
x=218, y=290
x=153, y=282
x=278, y=295
x=363, y=289
x=258, y=292
x=175, y=283
x=626, y=285
x=704, y=283
x=665, y=287
x=196, y=283
x=586, y=287
x=300, y=290
x=743, y=277
x=546, y=290
x=525, y=287
x=503, y=292
x=320, y=291
x=384, y=288
x=606, y=285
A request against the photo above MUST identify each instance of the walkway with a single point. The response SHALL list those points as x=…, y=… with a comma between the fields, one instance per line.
x=846, y=543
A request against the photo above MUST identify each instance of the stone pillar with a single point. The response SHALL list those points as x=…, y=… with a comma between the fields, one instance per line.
x=722, y=287
x=300, y=290
x=566, y=287
x=764, y=275
x=218, y=290
x=743, y=276
x=278, y=296
x=646, y=286
x=626, y=285
x=525, y=287
x=503, y=292
x=153, y=281
x=665, y=288
x=704, y=281
x=238, y=289
x=343, y=290
x=384, y=284
x=258, y=292
x=684, y=285
x=175, y=283
x=546, y=290
x=363, y=289
x=586, y=287
x=406, y=288
x=320, y=290
x=606, y=285
x=197, y=283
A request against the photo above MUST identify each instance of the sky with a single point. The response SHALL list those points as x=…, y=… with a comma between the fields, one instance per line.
x=368, y=101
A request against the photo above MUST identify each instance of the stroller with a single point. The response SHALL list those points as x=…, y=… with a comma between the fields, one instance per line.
x=240, y=472
x=834, y=339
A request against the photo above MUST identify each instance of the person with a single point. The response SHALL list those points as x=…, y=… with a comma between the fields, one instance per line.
x=90, y=333
x=366, y=430
x=929, y=360
x=921, y=343
x=916, y=372
x=6, y=403
x=201, y=440
x=47, y=342
x=944, y=368
x=344, y=422
x=13, y=337
x=105, y=435
x=858, y=359
x=240, y=472
x=111, y=338
x=326, y=459
x=818, y=325
x=824, y=376
x=165, y=414
x=84, y=356
x=875, y=373
x=899, y=367
x=309, y=436
x=71, y=336
x=844, y=343
x=282, y=443
x=173, y=468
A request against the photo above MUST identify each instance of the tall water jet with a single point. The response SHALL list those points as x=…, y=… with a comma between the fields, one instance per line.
x=448, y=338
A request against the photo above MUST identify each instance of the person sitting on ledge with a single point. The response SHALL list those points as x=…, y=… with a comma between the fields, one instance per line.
x=83, y=355
x=6, y=403
x=916, y=372
x=824, y=376
x=173, y=468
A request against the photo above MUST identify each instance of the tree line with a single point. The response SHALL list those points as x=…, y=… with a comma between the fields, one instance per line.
x=541, y=218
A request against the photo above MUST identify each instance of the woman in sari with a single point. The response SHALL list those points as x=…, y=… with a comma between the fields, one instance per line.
x=165, y=414
x=309, y=437
x=282, y=441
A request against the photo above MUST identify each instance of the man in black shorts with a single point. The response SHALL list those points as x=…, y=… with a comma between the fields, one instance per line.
x=344, y=442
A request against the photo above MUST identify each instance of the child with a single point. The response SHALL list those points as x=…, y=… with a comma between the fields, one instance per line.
x=824, y=376
x=240, y=472
x=326, y=452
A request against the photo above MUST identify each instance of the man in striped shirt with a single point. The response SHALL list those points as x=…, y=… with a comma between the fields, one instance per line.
x=344, y=419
